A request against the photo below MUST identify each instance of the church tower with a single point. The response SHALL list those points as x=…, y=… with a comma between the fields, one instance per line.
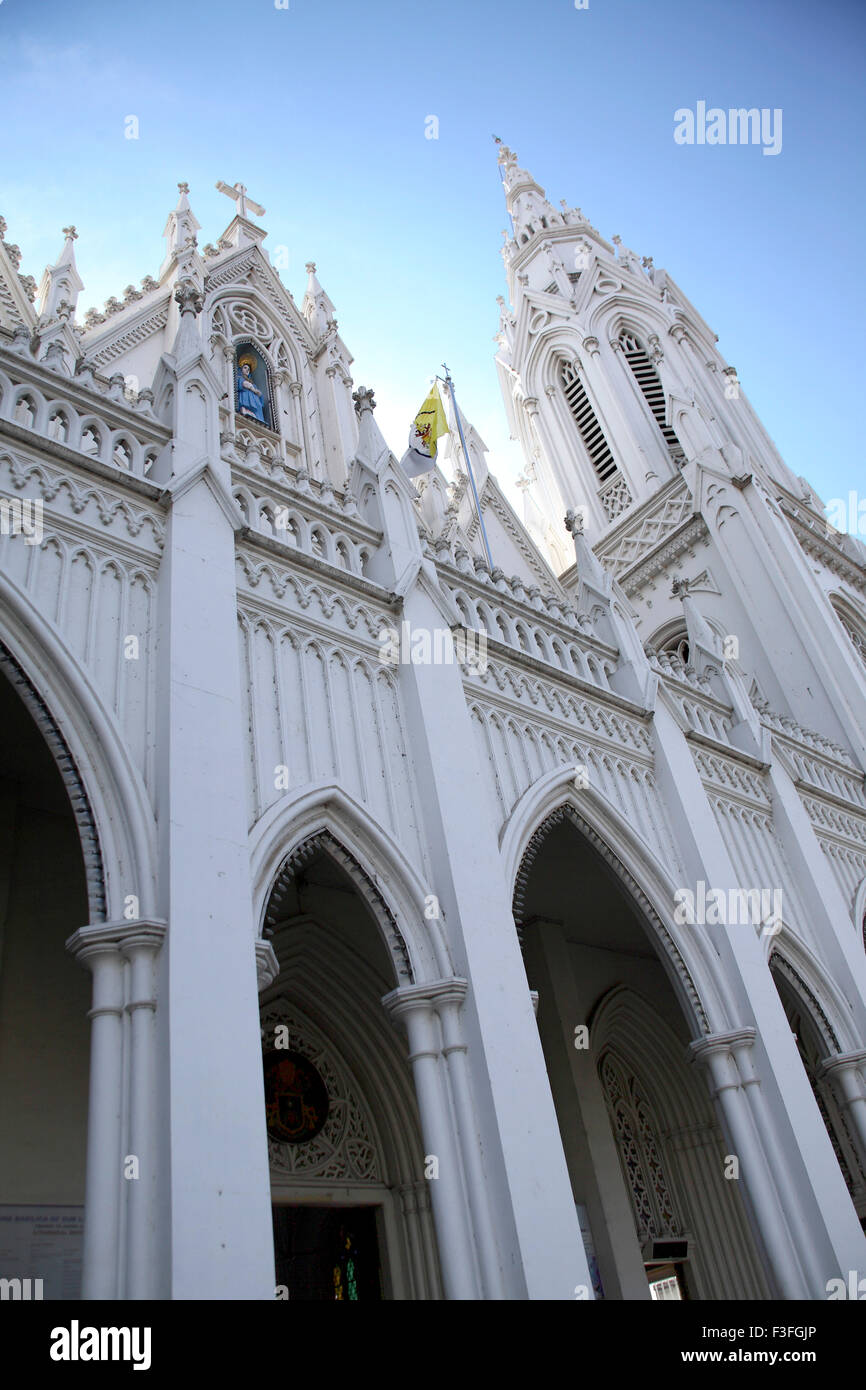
x=611, y=377
x=629, y=415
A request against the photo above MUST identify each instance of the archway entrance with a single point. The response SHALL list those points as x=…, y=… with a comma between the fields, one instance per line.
x=352, y=1218
x=645, y=1154
x=44, y=1028
x=816, y=1043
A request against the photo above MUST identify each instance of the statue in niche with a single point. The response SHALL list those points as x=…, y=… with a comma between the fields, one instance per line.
x=251, y=379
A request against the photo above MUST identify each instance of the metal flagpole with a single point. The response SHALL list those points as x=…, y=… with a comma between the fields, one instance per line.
x=450, y=384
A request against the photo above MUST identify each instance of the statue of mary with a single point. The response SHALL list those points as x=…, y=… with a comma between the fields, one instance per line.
x=250, y=397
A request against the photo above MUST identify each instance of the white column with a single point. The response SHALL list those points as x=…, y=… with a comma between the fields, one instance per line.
x=302, y=427
x=448, y=999
x=97, y=948
x=844, y=1072
x=717, y=1052
x=414, y=1005
x=229, y=355
x=117, y=1071
x=140, y=947
x=779, y=1164
x=413, y=1239
x=335, y=455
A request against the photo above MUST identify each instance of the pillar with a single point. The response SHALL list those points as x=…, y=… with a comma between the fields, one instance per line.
x=448, y=998
x=414, y=1006
x=844, y=1073
x=119, y=1252
x=718, y=1053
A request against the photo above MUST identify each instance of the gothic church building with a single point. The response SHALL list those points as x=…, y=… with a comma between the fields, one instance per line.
x=527, y=963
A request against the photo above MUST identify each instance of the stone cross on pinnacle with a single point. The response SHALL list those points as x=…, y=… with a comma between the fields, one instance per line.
x=239, y=193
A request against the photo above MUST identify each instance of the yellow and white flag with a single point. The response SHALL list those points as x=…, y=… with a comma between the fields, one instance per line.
x=427, y=429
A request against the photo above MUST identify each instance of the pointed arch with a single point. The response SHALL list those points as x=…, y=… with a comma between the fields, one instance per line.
x=109, y=799
x=817, y=990
x=852, y=621
x=643, y=369
x=699, y=985
x=394, y=892
x=817, y=1044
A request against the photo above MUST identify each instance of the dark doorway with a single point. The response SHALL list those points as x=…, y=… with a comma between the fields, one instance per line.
x=327, y=1253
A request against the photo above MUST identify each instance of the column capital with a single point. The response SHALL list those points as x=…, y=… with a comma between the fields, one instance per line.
x=106, y=938
x=724, y=1043
x=267, y=965
x=841, y=1062
x=409, y=999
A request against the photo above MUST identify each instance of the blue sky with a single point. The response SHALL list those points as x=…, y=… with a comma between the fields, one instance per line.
x=320, y=109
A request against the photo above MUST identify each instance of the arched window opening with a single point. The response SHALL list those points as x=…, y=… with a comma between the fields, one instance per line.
x=58, y=427
x=588, y=426
x=676, y=646
x=25, y=412
x=647, y=378
x=122, y=454
x=856, y=630
x=89, y=442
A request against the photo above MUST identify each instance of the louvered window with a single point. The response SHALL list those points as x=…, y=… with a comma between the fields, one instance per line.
x=647, y=379
x=590, y=430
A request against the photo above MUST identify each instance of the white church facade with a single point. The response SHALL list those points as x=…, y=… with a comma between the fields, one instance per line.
x=520, y=959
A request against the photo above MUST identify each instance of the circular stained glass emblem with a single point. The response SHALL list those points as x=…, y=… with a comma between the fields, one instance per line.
x=296, y=1098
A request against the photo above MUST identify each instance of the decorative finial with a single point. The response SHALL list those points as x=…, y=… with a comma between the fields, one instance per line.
x=575, y=520
x=364, y=400
x=497, y=140
x=680, y=588
x=310, y=267
x=70, y=233
x=188, y=296
x=183, y=188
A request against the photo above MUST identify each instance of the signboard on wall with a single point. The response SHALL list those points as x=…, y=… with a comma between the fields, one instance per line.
x=43, y=1243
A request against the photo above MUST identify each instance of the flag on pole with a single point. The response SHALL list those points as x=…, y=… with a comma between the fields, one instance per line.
x=427, y=429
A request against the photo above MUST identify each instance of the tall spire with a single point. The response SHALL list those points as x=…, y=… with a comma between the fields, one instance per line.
x=525, y=199
x=180, y=230
x=316, y=306
x=61, y=284
x=564, y=237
